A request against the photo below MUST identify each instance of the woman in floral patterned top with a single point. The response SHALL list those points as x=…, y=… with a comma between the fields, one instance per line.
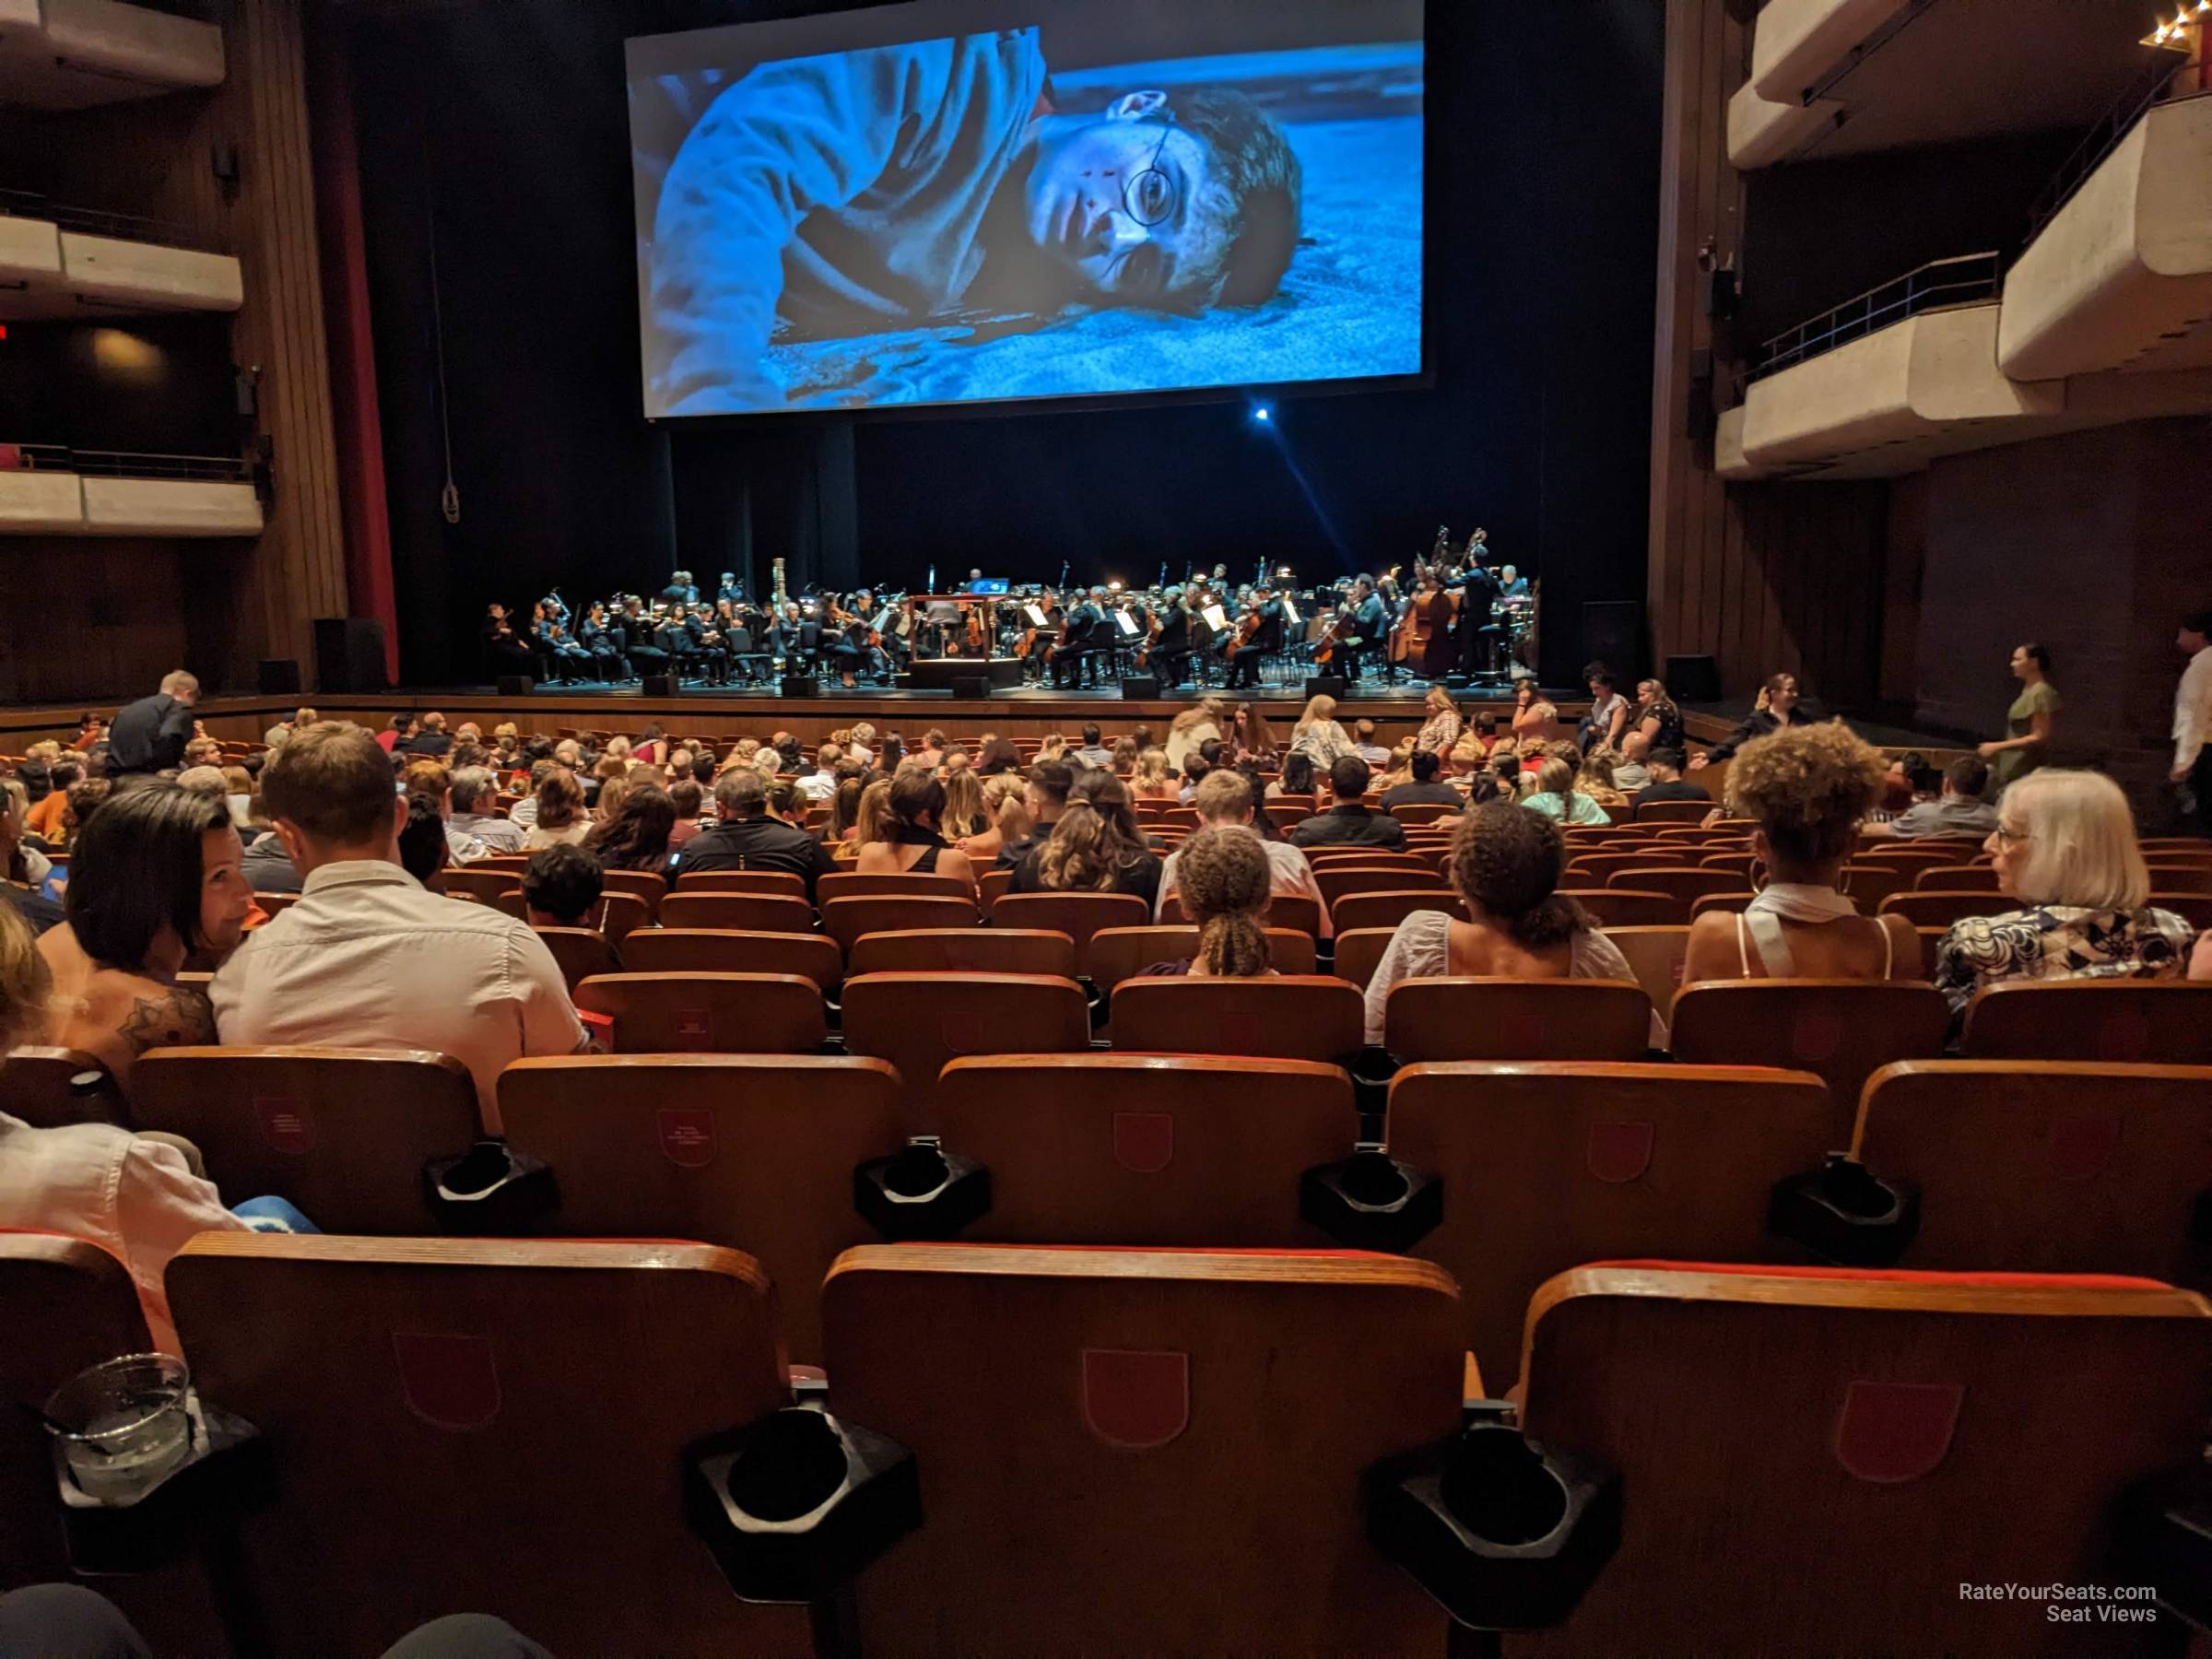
x=2064, y=845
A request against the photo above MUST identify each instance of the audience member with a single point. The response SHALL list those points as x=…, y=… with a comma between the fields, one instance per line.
x=1959, y=811
x=1151, y=781
x=748, y=837
x=1296, y=777
x=424, y=851
x=1348, y=823
x=1094, y=752
x=1426, y=788
x=1597, y=777
x=561, y=816
x=560, y=887
x=395, y=734
x=1318, y=736
x=690, y=801
x=148, y=736
x=1806, y=792
x=1442, y=724
x=1630, y=772
x=997, y=755
x=2066, y=847
x=1228, y=879
x=1368, y=747
x=1006, y=818
x=1664, y=781
x=821, y=784
x=1095, y=846
x=366, y=957
x=1506, y=864
x=1225, y=802
x=154, y=883
x=1557, y=797
x=912, y=842
x=430, y=737
x=44, y=818
x=636, y=837
x=964, y=814
x=1046, y=798
x=1777, y=708
x=1191, y=727
x=474, y=794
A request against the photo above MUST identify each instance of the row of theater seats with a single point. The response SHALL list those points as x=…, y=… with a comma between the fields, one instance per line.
x=1134, y=1451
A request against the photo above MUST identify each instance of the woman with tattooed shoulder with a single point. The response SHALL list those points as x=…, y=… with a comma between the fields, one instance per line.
x=154, y=881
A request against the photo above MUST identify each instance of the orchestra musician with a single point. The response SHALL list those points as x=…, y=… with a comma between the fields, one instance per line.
x=1362, y=635
x=681, y=589
x=1076, y=659
x=1170, y=657
x=595, y=637
x=506, y=653
x=1259, y=635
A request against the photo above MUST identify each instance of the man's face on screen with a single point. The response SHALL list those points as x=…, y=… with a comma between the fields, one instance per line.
x=1097, y=183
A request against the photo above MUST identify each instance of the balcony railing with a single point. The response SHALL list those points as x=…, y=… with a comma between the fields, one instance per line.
x=125, y=464
x=95, y=222
x=2102, y=139
x=1959, y=281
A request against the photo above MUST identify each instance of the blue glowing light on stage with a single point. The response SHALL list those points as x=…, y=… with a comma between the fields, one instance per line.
x=1263, y=413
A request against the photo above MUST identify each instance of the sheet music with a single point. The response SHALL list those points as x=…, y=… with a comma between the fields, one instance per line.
x=1291, y=616
x=884, y=619
x=1037, y=618
x=1127, y=623
x=1214, y=617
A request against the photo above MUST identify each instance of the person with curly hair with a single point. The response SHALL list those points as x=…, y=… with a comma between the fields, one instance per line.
x=1506, y=864
x=1224, y=880
x=1807, y=790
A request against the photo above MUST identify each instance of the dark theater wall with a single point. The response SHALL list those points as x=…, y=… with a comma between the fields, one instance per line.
x=506, y=127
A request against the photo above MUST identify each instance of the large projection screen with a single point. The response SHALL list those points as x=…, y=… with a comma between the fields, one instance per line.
x=964, y=201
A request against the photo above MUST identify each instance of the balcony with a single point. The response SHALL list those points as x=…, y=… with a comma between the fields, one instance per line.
x=58, y=262
x=2119, y=276
x=53, y=490
x=71, y=54
x=1840, y=77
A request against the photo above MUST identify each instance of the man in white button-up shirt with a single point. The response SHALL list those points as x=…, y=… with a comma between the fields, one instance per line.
x=367, y=957
x=2192, y=716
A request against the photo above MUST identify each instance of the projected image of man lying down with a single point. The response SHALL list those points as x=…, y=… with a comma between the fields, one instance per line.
x=947, y=219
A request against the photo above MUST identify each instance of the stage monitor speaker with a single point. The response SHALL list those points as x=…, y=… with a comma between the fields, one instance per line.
x=660, y=685
x=279, y=677
x=1325, y=685
x=350, y=654
x=1145, y=688
x=516, y=685
x=800, y=685
x=974, y=687
x=1693, y=678
x=1613, y=634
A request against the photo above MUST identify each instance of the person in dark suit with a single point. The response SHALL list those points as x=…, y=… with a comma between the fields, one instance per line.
x=1349, y=823
x=1170, y=655
x=681, y=589
x=430, y=737
x=1369, y=624
x=149, y=736
x=1077, y=660
x=1244, y=667
x=503, y=649
x=643, y=651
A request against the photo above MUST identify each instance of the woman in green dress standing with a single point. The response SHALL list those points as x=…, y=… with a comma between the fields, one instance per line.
x=2027, y=742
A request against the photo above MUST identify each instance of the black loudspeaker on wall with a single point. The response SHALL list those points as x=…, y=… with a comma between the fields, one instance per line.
x=1613, y=634
x=1132, y=690
x=660, y=685
x=279, y=677
x=516, y=685
x=350, y=654
x=1693, y=678
x=793, y=686
x=1325, y=685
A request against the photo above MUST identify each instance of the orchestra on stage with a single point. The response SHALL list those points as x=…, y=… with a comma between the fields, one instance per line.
x=1455, y=617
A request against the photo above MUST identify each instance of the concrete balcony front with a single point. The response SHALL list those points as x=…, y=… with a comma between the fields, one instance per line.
x=2120, y=278
x=71, y=54
x=45, y=493
x=64, y=262
x=1840, y=77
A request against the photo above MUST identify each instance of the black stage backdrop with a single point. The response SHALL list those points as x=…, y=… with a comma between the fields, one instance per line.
x=506, y=129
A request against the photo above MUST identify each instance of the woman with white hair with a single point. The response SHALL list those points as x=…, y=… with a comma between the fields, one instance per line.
x=2064, y=846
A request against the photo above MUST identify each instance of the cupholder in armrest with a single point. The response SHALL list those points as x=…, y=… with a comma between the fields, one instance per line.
x=489, y=1188
x=1371, y=1200
x=923, y=1192
x=1843, y=1213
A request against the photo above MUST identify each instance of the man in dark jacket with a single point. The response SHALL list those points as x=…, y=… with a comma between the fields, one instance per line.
x=751, y=838
x=1426, y=788
x=149, y=736
x=1349, y=823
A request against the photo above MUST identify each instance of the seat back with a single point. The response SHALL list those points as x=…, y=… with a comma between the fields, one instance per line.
x=754, y=1152
x=966, y=950
x=648, y=886
x=1360, y=953
x=423, y=1399
x=343, y=1134
x=1388, y=909
x=1546, y=1166
x=846, y=920
x=1955, y=879
x=921, y=1021
x=1297, y=912
x=733, y=950
x=65, y=1304
x=1672, y=812
x=1685, y=882
x=991, y=886
x=1615, y=907
x=1933, y=907
x=708, y=1013
x=1190, y=1151
x=742, y=912
x=472, y=881
x=2192, y=908
x=1315, y=1017
x=847, y=886
x=1121, y=953
x=1844, y=1029
x=1339, y=882
x=34, y=1087
x=1927, y=1431
x=2046, y=1166
x=779, y=883
x=578, y=952
x=2166, y=1022
x=1500, y=1018
x=1143, y=1395
x=1655, y=955
x=1079, y=915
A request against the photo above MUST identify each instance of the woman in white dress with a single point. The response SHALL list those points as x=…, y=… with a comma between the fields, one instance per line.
x=1317, y=735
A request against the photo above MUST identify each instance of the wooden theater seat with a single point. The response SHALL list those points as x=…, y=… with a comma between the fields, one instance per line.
x=1842, y=1029
x=1122, y=953
x=1360, y=953
x=2046, y=1166
x=1672, y=812
x=1079, y=915
x=1596, y=869
x=1548, y=1165
x=991, y=886
x=740, y=912
x=1316, y=1016
x=1849, y=1449
x=847, y=919
x=905, y=886
x=708, y=1013
x=1339, y=882
x=495, y=1426
x=1614, y=907
x=646, y=886
x=34, y=1085
x=1295, y=910
x=579, y=952
x=1388, y=909
x=754, y=1152
x=343, y=1134
x=966, y=950
x=778, y=882
x=474, y=882
x=2165, y=1022
x=1655, y=955
x=1498, y=1018
x=733, y=950
x=1190, y=1151
x=1933, y=907
x=921, y=1021
x=1685, y=882
x=1135, y=1452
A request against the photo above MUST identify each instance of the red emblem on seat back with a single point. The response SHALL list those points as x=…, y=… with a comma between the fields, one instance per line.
x=694, y=1028
x=284, y=1125
x=1620, y=1152
x=1135, y=1400
x=687, y=1135
x=1892, y=1432
x=450, y=1382
x=1143, y=1142
x=2080, y=1146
